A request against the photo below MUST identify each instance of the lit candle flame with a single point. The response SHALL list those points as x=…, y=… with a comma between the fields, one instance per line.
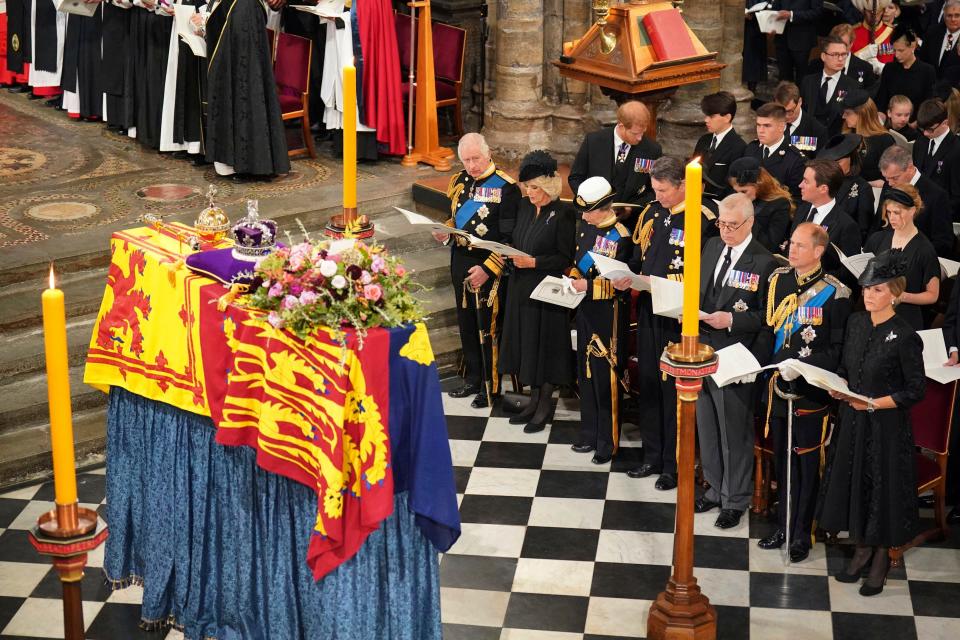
x=52, y=284
x=695, y=160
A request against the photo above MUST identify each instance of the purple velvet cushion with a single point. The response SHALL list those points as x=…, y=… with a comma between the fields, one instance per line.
x=222, y=265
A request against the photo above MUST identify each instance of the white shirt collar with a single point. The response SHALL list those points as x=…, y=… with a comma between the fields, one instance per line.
x=796, y=123
x=846, y=65
x=719, y=136
x=617, y=141
x=939, y=139
x=775, y=146
x=832, y=87
x=735, y=253
x=916, y=177
x=823, y=211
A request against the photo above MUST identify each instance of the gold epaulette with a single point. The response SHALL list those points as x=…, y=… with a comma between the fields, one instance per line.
x=622, y=229
x=640, y=220
x=505, y=176
x=779, y=271
x=494, y=263
x=603, y=289
x=449, y=222
x=708, y=213
x=843, y=291
x=453, y=183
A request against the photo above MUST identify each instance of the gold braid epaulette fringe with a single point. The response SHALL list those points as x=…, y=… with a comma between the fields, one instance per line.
x=454, y=194
x=777, y=315
x=642, y=232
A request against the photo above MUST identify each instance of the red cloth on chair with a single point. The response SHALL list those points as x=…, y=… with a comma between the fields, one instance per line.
x=382, y=95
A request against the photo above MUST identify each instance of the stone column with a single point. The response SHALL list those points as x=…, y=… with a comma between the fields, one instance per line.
x=517, y=120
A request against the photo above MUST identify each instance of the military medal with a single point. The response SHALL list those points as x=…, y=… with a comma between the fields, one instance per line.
x=642, y=165
x=805, y=352
x=666, y=222
x=677, y=263
x=890, y=337
x=740, y=305
x=809, y=334
x=676, y=236
x=810, y=315
x=481, y=229
x=483, y=212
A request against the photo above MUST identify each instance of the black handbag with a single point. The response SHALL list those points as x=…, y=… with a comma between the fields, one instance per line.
x=513, y=402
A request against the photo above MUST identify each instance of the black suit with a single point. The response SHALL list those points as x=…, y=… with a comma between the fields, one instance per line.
x=799, y=36
x=772, y=220
x=715, y=164
x=943, y=168
x=933, y=219
x=809, y=136
x=843, y=232
x=829, y=113
x=860, y=71
x=630, y=179
x=785, y=163
x=725, y=414
x=929, y=52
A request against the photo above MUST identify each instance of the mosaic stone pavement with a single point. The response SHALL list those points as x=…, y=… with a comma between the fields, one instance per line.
x=66, y=178
x=554, y=548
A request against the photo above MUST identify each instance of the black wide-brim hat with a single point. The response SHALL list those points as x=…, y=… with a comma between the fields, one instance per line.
x=883, y=268
x=855, y=98
x=744, y=171
x=537, y=164
x=841, y=146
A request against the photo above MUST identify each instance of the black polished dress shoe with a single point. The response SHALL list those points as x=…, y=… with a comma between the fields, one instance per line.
x=702, y=504
x=19, y=88
x=728, y=518
x=954, y=516
x=774, y=541
x=480, y=401
x=644, y=470
x=666, y=482
x=468, y=389
x=601, y=459
x=799, y=552
x=582, y=448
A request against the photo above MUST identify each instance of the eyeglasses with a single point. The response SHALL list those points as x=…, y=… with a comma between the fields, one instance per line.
x=931, y=129
x=729, y=226
x=836, y=54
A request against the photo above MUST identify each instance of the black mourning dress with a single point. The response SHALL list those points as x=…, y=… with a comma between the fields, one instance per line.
x=771, y=225
x=922, y=264
x=535, y=345
x=869, y=482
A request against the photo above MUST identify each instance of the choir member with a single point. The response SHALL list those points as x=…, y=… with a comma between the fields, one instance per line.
x=799, y=35
x=181, y=125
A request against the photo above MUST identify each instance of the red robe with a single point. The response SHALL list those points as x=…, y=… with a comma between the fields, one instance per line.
x=382, y=93
x=881, y=38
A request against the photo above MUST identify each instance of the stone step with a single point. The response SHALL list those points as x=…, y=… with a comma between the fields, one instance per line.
x=431, y=267
x=438, y=303
x=21, y=351
x=25, y=453
x=20, y=303
x=25, y=399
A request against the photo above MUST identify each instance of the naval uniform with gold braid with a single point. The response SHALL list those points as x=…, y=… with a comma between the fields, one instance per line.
x=602, y=321
x=808, y=316
x=485, y=207
x=658, y=251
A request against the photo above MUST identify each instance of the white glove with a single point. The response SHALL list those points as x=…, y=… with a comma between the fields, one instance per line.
x=788, y=374
x=747, y=379
x=568, y=286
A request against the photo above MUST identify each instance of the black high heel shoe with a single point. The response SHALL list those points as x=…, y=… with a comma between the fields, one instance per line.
x=528, y=411
x=859, y=560
x=877, y=577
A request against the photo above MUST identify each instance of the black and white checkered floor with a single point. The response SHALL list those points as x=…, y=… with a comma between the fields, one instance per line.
x=554, y=548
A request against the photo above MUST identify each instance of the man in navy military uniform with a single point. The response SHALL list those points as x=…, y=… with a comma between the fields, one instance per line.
x=658, y=251
x=483, y=202
x=602, y=320
x=774, y=151
x=807, y=311
x=733, y=288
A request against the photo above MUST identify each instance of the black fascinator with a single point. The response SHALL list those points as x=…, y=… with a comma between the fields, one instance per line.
x=744, y=170
x=536, y=164
x=883, y=268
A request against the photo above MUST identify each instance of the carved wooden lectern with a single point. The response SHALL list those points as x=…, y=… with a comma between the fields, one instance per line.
x=616, y=53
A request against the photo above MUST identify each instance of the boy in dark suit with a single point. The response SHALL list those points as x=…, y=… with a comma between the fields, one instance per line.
x=721, y=145
x=803, y=131
x=937, y=153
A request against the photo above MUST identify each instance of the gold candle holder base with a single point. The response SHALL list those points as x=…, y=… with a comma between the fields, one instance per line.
x=349, y=224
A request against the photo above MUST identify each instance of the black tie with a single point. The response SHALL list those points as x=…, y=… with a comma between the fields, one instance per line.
x=766, y=152
x=713, y=144
x=824, y=89
x=718, y=283
x=789, y=130
x=812, y=214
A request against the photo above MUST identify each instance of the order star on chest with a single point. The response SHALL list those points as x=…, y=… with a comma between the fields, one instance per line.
x=676, y=263
x=483, y=212
x=809, y=334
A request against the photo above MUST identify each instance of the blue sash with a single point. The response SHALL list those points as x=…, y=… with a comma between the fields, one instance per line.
x=587, y=260
x=470, y=207
x=791, y=321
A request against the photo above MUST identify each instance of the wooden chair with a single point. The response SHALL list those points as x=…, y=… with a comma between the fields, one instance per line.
x=291, y=70
x=449, y=51
x=931, y=419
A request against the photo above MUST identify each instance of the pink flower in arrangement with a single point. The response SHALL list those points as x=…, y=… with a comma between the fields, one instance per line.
x=366, y=278
x=289, y=302
x=297, y=261
x=378, y=264
x=287, y=278
x=372, y=292
x=401, y=270
x=275, y=320
x=308, y=297
x=296, y=289
x=276, y=290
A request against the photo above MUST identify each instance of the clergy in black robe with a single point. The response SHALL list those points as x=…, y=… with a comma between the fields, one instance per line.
x=81, y=64
x=116, y=55
x=534, y=332
x=150, y=45
x=244, y=131
x=18, y=35
x=182, y=121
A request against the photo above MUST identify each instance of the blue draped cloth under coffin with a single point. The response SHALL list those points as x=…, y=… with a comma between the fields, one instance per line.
x=219, y=544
